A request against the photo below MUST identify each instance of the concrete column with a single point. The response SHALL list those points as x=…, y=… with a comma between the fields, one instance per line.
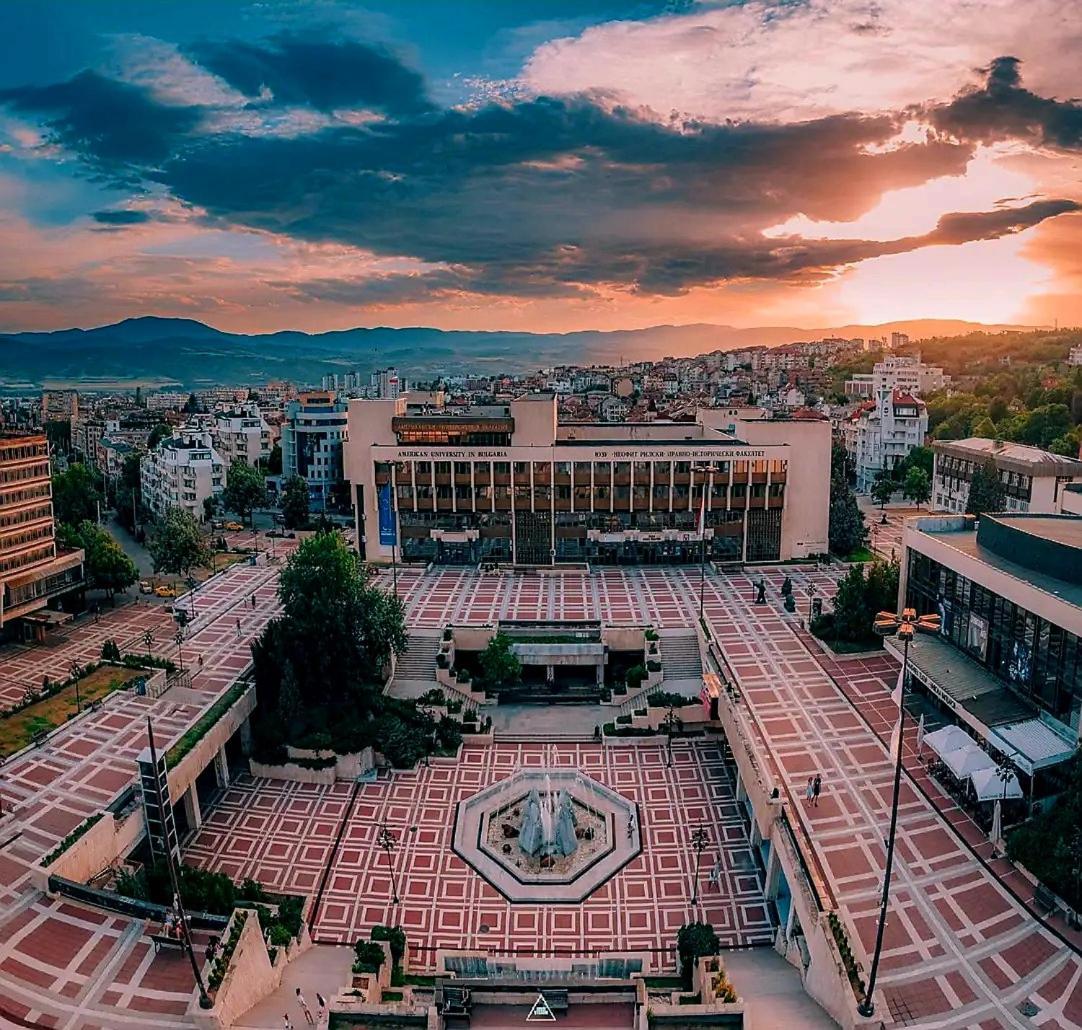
x=190, y=801
x=223, y=767
x=600, y=670
x=246, y=737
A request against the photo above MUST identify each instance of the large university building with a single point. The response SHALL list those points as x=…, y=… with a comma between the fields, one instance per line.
x=33, y=569
x=510, y=483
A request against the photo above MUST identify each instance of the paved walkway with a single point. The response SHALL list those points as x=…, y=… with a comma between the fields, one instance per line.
x=324, y=969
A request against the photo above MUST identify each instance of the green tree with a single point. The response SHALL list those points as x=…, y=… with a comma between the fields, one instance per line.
x=295, y=503
x=76, y=495
x=984, y=428
x=917, y=486
x=882, y=488
x=176, y=543
x=162, y=431
x=864, y=591
x=986, y=490
x=846, y=531
x=693, y=941
x=499, y=663
x=128, y=495
x=107, y=567
x=274, y=461
x=918, y=457
x=244, y=488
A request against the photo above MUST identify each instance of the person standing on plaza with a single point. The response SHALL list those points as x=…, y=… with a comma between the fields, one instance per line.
x=304, y=1007
x=322, y=1016
x=817, y=786
x=288, y=1024
x=809, y=790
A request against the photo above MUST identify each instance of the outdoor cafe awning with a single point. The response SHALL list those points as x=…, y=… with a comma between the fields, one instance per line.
x=991, y=786
x=947, y=739
x=967, y=760
x=1031, y=745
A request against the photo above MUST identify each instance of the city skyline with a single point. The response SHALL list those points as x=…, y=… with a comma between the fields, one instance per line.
x=552, y=168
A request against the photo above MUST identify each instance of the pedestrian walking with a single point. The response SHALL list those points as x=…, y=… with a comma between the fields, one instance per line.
x=238, y=629
x=253, y=600
x=288, y=1022
x=322, y=1016
x=809, y=790
x=304, y=1007
x=817, y=786
x=200, y=661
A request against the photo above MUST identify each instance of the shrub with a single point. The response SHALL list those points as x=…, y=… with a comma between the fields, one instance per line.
x=279, y=936
x=653, y=665
x=651, y=634
x=693, y=940
x=634, y=676
x=110, y=651
x=368, y=957
x=71, y=838
x=395, y=936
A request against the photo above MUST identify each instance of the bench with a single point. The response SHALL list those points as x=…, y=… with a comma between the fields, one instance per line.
x=163, y=940
x=1044, y=899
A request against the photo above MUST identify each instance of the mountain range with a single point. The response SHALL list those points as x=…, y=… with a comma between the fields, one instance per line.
x=182, y=353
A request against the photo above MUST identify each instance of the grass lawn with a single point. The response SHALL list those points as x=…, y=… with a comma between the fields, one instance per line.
x=861, y=554
x=17, y=730
x=223, y=559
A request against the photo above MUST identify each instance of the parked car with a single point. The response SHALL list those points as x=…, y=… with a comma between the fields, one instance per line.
x=145, y=587
x=166, y=591
x=234, y=526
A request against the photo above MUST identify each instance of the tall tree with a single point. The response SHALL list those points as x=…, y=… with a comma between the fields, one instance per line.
x=160, y=432
x=986, y=490
x=295, y=503
x=882, y=488
x=917, y=486
x=847, y=531
x=274, y=461
x=107, y=567
x=499, y=663
x=76, y=495
x=176, y=543
x=244, y=488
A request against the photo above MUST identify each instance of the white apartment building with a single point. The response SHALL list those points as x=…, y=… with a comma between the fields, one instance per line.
x=182, y=473
x=1033, y=479
x=882, y=433
x=909, y=375
x=312, y=437
x=1075, y=357
x=386, y=384
x=243, y=433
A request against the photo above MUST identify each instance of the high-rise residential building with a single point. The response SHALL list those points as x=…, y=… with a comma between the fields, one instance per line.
x=1033, y=479
x=182, y=472
x=898, y=340
x=1075, y=356
x=242, y=432
x=882, y=432
x=909, y=375
x=33, y=569
x=509, y=482
x=385, y=384
x=312, y=435
x=59, y=406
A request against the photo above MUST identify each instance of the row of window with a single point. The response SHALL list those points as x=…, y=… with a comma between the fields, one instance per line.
x=21, y=516
x=483, y=496
x=601, y=469
x=24, y=472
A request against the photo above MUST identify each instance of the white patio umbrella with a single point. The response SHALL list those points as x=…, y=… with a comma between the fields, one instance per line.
x=965, y=761
x=997, y=824
x=947, y=739
x=993, y=785
x=920, y=735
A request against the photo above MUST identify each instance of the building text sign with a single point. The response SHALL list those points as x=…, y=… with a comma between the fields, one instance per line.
x=579, y=454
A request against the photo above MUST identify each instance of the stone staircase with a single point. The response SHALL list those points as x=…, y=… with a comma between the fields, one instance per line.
x=680, y=658
x=418, y=663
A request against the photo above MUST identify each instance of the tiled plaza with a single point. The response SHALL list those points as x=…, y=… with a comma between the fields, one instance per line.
x=281, y=834
x=962, y=949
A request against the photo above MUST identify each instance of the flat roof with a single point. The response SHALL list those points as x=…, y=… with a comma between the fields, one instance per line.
x=1059, y=528
x=1016, y=456
x=965, y=541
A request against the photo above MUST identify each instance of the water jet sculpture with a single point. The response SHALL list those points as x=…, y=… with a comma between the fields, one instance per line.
x=548, y=824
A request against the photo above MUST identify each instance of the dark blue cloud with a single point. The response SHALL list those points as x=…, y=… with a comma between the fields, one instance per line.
x=1002, y=108
x=120, y=217
x=114, y=126
x=316, y=73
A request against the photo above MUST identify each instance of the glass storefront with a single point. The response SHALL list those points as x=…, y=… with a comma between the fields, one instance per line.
x=1039, y=660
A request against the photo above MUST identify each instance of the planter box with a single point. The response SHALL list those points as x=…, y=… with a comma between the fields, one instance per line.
x=293, y=773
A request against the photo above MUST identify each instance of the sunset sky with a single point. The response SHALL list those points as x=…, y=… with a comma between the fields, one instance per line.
x=540, y=165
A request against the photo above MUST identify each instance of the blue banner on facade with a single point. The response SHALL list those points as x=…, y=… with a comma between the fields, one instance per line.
x=388, y=535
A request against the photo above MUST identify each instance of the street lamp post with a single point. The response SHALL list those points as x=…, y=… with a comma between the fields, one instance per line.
x=179, y=638
x=192, y=584
x=705, y=470
x=75, y=671
x=387, y=841
x=186, y=930
x=905, y=627
x=700, y=841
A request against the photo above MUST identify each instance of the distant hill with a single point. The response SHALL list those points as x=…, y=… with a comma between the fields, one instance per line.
x=180, y=352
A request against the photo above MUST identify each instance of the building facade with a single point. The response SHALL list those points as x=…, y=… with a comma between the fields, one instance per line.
x=510, y=483
x=1033, y=479
x=313, y=433
x=182, y=472
x=882, y=432
x=59, y=406
x=33, y=569
x=1008, y=659
x=242, y=433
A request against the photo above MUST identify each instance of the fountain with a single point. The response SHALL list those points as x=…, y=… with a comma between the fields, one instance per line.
x=546, y=833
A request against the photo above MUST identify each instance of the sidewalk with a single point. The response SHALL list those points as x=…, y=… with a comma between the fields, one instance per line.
x=323, y=969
